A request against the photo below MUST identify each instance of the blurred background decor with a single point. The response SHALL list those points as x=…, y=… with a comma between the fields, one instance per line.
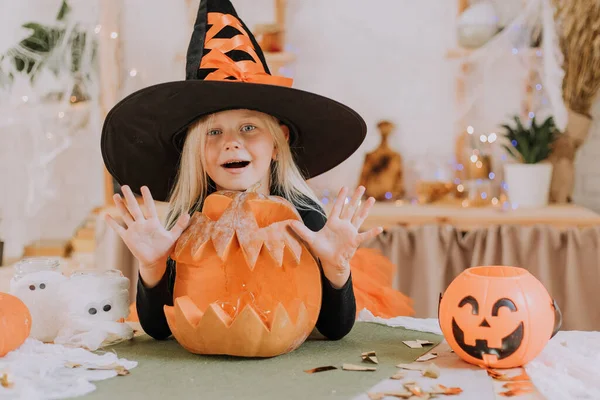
x=382, y=173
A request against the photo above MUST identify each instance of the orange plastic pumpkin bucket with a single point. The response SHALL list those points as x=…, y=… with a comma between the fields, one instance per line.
x=497, y=316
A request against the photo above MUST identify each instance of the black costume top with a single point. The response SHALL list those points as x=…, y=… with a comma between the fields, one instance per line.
x=336, y=318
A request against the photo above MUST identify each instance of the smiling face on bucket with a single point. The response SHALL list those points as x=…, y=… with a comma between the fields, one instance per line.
x=238, y=149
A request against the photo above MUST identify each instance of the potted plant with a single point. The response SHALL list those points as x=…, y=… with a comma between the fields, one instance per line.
x=529, y=178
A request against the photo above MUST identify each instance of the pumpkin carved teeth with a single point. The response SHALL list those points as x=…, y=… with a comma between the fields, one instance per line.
x=216, y=332
x=232, y=232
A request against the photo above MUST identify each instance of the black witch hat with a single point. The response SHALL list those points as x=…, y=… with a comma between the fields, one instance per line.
x=143, y=134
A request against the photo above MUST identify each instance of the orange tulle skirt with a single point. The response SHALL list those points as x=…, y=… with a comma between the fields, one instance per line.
x=372, y=279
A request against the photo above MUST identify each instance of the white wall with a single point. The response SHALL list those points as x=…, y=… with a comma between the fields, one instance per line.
x=387, y=63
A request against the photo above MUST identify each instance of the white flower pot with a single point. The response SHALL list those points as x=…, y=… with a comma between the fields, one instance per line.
x=528, y=184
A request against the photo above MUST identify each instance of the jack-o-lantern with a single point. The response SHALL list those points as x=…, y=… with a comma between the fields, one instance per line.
x=245, y=286
x=15, y=323
x=497, y=316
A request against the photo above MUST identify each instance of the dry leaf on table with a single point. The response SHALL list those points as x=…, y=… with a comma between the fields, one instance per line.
x=441, y=389
x=417, y=344
x=503, y=377
x=427, y=357
x=413, y=344
x=6, y=381
x=411, y=367
x=515, y=392
x=352, y=367
x=414, y=389
x=432, y=371
x=517, y=388
x=518, y=385
x=119, y=369
x=382, y=395
x=320, y=369
x=397, y=376
x=370, y=356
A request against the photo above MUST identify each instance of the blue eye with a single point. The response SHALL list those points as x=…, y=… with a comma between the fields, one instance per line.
x=250, y=128
x=213, y=132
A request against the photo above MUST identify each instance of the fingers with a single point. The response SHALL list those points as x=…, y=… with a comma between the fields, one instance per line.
x=182, y=222
x=353, y=205
x=370, y=234
x=132, y=204
x=113, y=224
x=339, y=203
x=149, y=203
x=127, y=218
x=362, y=214
x=302, y=231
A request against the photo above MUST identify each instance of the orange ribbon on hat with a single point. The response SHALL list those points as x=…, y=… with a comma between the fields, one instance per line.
x=251, y=71
x=245, y=71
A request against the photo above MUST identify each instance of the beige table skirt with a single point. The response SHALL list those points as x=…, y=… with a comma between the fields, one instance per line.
x=566, y=261
x=429, y=256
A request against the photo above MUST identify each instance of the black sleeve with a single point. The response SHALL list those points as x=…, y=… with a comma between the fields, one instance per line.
x=338, y=306
x=336, y=318
x=150, y=303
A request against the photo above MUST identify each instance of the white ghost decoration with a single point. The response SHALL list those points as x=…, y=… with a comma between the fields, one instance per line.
x=40, y=291
x=96, y=304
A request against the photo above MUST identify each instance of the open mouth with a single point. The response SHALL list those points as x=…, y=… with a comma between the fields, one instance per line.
x=236, y=164
x=510, y=343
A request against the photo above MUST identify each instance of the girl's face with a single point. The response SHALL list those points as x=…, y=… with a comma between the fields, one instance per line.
x=238, y=150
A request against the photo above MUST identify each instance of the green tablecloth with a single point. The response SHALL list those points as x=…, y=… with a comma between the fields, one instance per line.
x=167, y=371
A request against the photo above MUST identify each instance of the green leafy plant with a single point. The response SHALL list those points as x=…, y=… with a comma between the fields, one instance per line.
x=53, y=47
x=532, y=144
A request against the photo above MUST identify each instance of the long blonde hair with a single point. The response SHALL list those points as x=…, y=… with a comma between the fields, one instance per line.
x=192, y=184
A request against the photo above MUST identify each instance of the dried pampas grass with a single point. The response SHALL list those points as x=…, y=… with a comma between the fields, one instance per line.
x=579, y=31
x=578, y=26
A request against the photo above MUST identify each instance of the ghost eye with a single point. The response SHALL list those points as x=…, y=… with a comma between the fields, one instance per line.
x=473, y=302
x=107, y=307
x=31, y=287
x=42, y=286
x=508, y=303
x=92, y=311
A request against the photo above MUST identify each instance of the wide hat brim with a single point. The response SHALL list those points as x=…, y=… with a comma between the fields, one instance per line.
x=143, y=134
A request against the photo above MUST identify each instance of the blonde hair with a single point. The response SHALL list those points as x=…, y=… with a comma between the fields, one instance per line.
x=192, y=184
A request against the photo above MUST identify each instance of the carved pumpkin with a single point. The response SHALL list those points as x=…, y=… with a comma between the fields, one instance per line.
x=15, y=323
x=245, y=286
x=497, y=316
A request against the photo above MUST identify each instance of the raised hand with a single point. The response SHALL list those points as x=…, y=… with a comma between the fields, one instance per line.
x=339, y=239
x=144, y=234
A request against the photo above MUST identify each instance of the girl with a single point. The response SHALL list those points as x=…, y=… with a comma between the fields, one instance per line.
x=231, y=125
x=242, y=148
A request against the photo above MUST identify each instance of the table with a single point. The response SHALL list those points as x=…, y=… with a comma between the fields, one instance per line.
x=166, y=370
